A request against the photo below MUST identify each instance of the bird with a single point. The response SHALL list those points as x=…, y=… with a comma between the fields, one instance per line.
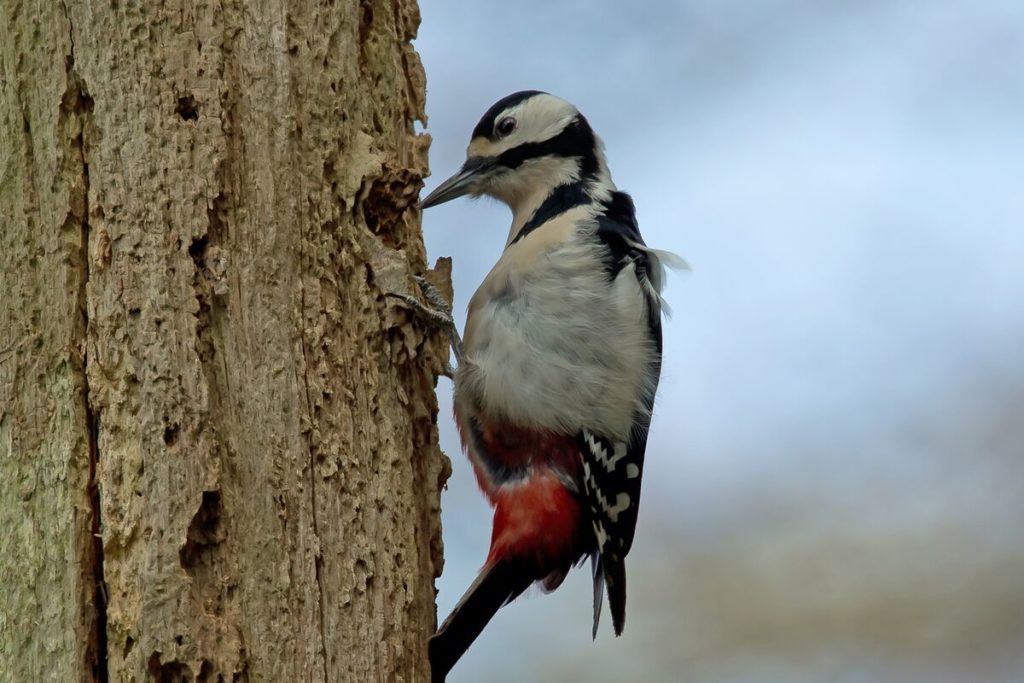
x=558, y=365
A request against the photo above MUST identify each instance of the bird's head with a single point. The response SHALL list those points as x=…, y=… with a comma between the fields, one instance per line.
x=525, y=146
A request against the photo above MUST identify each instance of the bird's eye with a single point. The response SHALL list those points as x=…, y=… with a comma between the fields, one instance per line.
x=505, y=126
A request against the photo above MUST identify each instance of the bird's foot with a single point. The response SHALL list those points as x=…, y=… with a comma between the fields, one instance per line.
x=436, y=313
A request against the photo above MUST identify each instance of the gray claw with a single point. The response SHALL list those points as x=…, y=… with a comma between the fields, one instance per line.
x=438, y=314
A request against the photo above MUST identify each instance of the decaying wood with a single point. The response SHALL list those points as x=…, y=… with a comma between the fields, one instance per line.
x=218, y=446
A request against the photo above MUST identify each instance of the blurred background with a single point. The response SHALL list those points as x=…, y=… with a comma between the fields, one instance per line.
x=834, y=488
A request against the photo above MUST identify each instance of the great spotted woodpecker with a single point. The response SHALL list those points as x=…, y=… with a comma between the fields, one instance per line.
x=559, y=364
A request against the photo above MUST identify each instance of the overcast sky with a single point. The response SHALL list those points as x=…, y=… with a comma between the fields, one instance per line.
x=835, y=478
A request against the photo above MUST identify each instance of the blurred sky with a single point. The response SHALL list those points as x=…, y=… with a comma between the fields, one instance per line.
x=834, y=488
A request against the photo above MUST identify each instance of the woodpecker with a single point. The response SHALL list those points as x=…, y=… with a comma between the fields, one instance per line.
x=558, y=365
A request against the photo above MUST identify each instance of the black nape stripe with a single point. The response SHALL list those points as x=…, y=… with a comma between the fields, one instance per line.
x=485, y=128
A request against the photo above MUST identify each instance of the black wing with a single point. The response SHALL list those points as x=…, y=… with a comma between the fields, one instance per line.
x=618, y=229
x=613, y=471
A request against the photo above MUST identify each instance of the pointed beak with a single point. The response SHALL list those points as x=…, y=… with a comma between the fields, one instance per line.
x=461, y=183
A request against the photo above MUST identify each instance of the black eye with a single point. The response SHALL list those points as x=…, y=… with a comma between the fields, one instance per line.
x=505, y=126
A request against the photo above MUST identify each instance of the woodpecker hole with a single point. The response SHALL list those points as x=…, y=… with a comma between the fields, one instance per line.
x=171, y=434
x=197, y=250
x=204, y=532
x=166, y=672
x=389, y=196
x=187, y=108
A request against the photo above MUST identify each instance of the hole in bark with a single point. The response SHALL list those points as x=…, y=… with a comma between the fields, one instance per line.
x=203, y=532
x=387, y=200
x=197, y=250
x=206, y=673
x=168, y=672
x=171, y=434
x=129, y=643
x=187, y=108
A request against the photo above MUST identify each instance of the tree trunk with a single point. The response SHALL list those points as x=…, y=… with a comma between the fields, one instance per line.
x=218, y=444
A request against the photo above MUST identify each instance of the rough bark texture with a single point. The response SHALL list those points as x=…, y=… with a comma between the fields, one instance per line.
x=218, y=450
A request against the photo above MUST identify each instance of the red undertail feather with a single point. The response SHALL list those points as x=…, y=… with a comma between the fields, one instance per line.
x=537, y=522
x=539, y=528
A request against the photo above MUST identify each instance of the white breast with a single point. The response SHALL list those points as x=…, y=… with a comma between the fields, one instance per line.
x=551, y=343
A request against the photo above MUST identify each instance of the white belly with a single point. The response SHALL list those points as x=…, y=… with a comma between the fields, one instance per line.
x=558, y=346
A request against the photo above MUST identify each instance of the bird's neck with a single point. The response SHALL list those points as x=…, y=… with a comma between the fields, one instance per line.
x=564, y=190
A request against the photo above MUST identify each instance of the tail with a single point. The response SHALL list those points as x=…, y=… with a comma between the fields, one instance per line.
x=497, y=585
x=598, y=572
x=611, y=572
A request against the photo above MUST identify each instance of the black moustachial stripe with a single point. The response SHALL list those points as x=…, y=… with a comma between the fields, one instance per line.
x=576, y=141
x=563, y=198
x=485, y=128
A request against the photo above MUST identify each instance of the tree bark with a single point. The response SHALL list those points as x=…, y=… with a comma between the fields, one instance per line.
x=218, y=444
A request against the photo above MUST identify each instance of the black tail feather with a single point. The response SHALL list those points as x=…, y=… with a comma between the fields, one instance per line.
x=597, y=569
x=615, y=579
x=496, y=586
